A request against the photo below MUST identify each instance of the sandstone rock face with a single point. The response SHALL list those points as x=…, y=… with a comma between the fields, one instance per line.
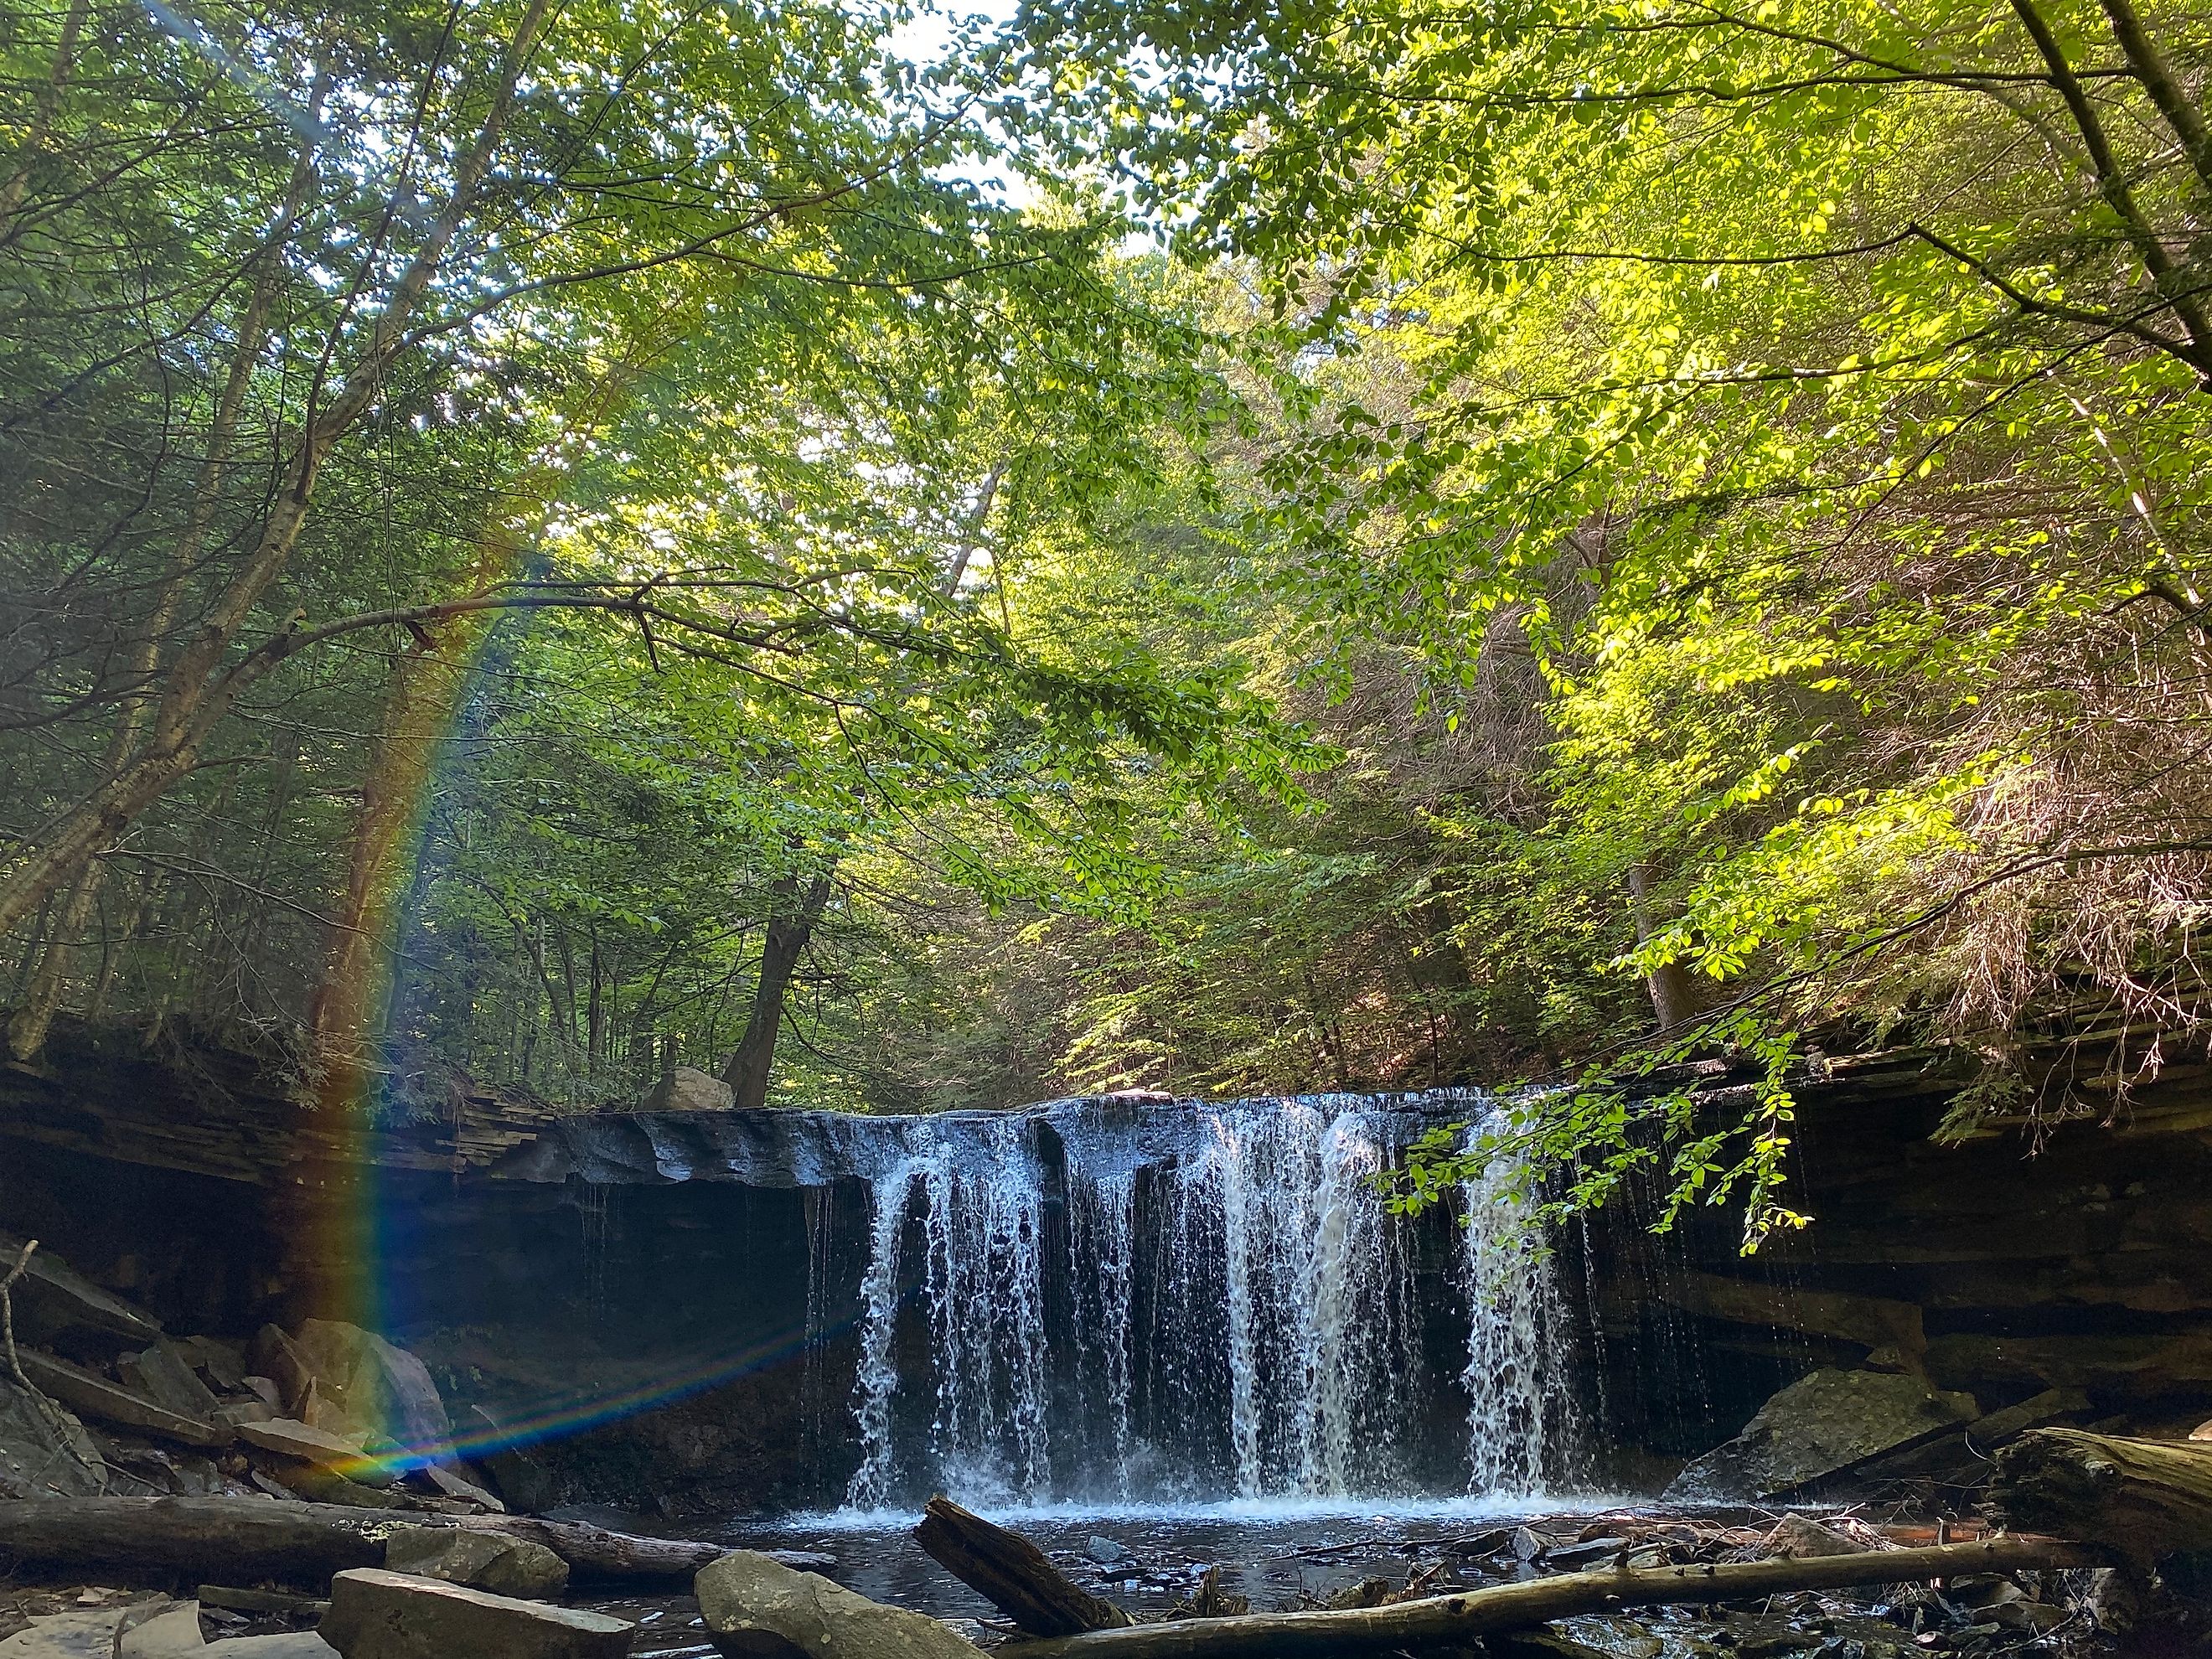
x=378, y=1614
x=1823, y=1424
x=757, y=1608
x=384, y=1387
x=482, y=1560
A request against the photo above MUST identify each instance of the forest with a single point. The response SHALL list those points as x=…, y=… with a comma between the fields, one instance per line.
x=910, y=560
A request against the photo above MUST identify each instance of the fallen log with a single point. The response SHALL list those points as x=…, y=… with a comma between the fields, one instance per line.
x=597, y=1553
x=1011, y=1573
x=229, y=1538
x=1450, y=1620
x=2146, y=1499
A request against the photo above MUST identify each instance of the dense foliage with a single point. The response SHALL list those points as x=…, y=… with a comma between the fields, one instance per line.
x=548, y=541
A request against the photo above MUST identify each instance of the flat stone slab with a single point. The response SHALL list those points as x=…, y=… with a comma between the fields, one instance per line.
x=89, y=1634
x=90, y=1394
x=755, y=1607
x=379, y=1614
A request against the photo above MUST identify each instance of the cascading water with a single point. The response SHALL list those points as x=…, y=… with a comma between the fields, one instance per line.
x=1098, y=1302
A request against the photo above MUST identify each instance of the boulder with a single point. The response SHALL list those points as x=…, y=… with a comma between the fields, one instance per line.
x=494, y=1561
x=757, y=1608
x=1823, y=1425
x=375, y=1383
x=55, y=1305
x=92, y=1395
x=284, y=1645
x=1800, y=1536
x=40, y=1458
x=687, y=1089
x=376, y=1614
x=164, y=1375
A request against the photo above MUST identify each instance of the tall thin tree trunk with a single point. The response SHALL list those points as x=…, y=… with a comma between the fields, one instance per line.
x=747, y=1073
x=1676, y=996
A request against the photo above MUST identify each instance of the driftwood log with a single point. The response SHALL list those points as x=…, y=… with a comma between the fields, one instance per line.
x=1011, y=1573
x=2146, y=1499
x=229, y=1538
x=1449, y=1621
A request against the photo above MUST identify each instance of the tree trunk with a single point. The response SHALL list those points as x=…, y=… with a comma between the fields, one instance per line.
x=1011, y=1573
x=2146, y=1499
x=747, y=1073
x=1676, y=996
x=1451, y=1621
x=243, y=1540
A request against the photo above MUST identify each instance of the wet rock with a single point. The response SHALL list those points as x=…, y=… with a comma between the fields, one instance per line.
x=1107, y=1552
x=1616, y=1637
x=1799, y=1536
x=490, y=1561
x=1539, y=1642
x=376, y=1614
x=374, y=1382
x=689, y=1089
x=40, y=1458
x=92, y=1395
x=1367, y=1593
x=757, y=1608
x=1821, y=1425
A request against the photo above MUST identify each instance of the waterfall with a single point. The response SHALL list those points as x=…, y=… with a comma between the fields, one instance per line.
x=1094, y=1302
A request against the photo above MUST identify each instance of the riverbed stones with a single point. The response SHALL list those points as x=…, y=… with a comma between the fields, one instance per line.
x=1820, y=1427
x=494, y=1561
x=376, y=1614
x=755, y=1607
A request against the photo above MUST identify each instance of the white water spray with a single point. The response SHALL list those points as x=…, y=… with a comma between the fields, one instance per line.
x=1186, y=1304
